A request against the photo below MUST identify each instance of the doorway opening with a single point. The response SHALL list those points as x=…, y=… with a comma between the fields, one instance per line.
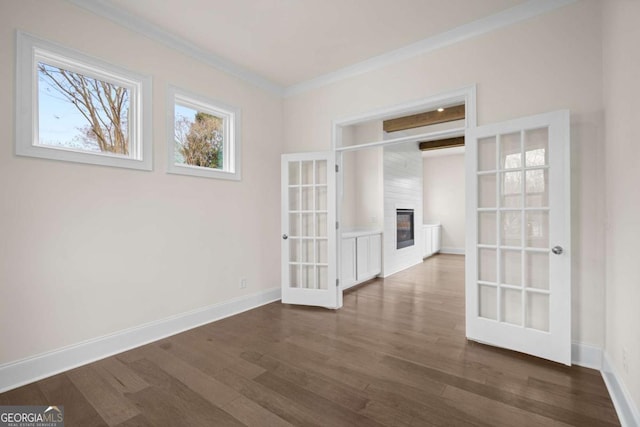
x=380, y=156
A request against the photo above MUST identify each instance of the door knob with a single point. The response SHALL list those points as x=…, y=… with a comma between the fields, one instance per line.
x=557, y=250
x=285, y=237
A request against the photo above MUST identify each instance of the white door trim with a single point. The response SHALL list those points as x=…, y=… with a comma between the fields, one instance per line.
x=465, y=94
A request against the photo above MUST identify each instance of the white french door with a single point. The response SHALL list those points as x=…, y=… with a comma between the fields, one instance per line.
x=518, y=258
x=309, y=229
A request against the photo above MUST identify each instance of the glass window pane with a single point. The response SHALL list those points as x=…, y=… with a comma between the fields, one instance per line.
x=294, y=173
x=294, y=225
x=510, y=151
x=487, y=154
x=537, y=188
x=487, y=228
x=294, y=250
x=487, y=191
x=511, y=266
x=511, y=188
x=537, y=311
x=294, y=198
x=65, y=123
x=321, y=225
x=487, y=265
x=322, y=281
x=536, y=269
x=307, y=172
x=307, y=279
x=488, y=302
x=512, y=306
x=538, y=229
x=199, y=137
x=536, y=147
x=511, y=228
x=307, y=250
x=307, y=198
x=321, y=198
x=321, y=171
x=322, y=251
x=307, y=225
x=294, y=276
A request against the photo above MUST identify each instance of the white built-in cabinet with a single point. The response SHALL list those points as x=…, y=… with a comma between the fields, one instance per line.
x=431, y=239
x=348, y=264
x=361, y=257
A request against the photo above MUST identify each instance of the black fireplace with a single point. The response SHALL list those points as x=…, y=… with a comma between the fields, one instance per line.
x=404, y=228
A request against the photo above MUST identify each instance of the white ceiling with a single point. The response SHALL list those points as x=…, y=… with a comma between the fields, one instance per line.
x=291, y=41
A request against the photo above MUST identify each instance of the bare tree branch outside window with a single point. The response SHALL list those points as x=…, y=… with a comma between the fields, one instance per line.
x=104, y=106
x=200, y=141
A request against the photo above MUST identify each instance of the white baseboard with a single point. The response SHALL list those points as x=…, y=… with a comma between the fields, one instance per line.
x=452, y=251
x=625, y=407
x=25, y=371
x=586, y=355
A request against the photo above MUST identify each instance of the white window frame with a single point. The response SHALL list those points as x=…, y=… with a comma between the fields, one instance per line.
x=232, y=141
x=29, y=51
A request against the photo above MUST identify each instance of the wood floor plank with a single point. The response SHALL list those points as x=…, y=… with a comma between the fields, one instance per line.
x=284, y=408
x=27, y=395
x=170, y=402
x=112, y=406
x=78, y=411
x=218, y=356
x=329, y=412
x=501, y=415
x=395, y=355
x=118, y=375
x=207, y=387
x=346, y=396
x=252, y=414
x=137, y=421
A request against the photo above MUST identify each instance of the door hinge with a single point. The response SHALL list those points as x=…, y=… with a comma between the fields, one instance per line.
x=337, y=169
x=337, y=283
x=337, y=225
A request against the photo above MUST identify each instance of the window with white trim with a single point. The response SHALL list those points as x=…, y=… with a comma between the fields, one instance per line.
x=204, y=136
x=77, y=108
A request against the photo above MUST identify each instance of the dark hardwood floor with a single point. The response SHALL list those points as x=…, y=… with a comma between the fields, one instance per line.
x=395, y=355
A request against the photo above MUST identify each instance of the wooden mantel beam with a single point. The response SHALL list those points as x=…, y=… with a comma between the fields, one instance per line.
x=448, y=114
x=442, y=143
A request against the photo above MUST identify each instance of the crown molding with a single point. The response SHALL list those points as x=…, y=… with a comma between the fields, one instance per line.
x=505, y=18
x=106, y=10
x=508, y=17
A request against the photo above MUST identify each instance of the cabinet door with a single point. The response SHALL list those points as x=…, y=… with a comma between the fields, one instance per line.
x=437, y=231
x=362, y=256
x=348, y=261
x=375, y=255
x=427, y=241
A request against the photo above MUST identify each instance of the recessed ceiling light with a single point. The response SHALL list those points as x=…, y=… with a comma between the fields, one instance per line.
x=440, y=110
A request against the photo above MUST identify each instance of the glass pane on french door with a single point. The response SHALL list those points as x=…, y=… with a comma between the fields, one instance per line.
x=513, y=229
x=308, y=216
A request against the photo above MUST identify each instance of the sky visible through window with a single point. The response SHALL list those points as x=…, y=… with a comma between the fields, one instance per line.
x=60, y=122
x=59, y=119
x=188, y=114
x=199, y=138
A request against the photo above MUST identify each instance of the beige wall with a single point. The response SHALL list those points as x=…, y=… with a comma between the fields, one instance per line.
x=550, y=62
x=622, y=88
x=86, y=250
x=444, y=198
x=362, y=205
